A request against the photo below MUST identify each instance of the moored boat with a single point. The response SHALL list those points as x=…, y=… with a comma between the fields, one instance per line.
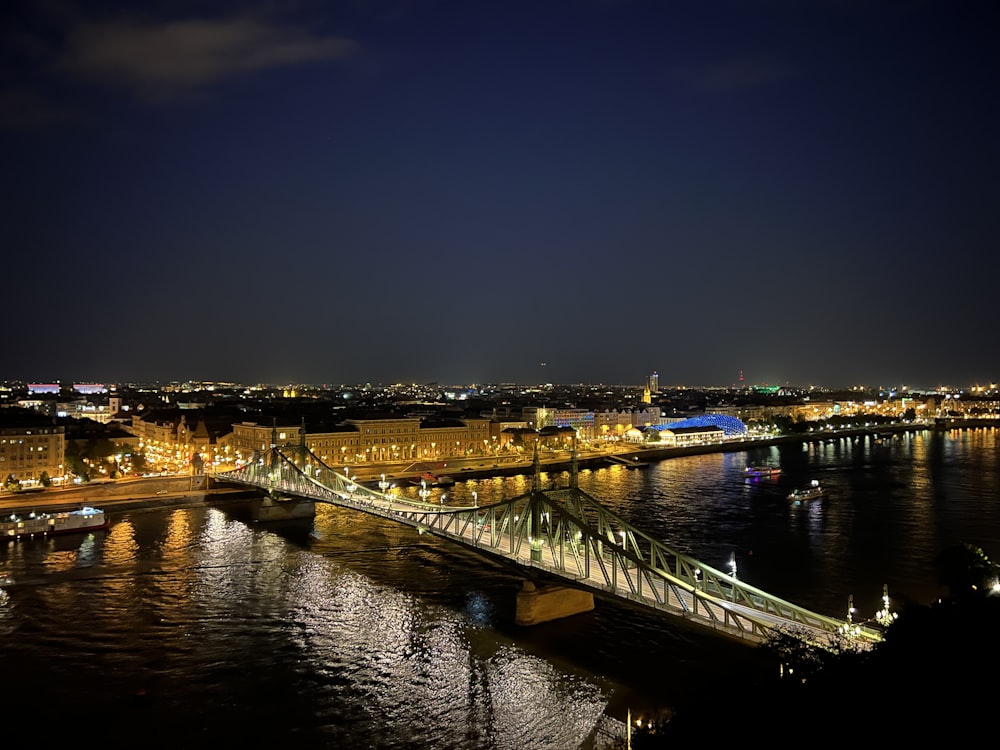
x=433, y=480
x=809, y=493
x=16, y=526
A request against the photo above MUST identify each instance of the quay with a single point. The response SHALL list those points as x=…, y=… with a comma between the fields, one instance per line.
x=174, y=491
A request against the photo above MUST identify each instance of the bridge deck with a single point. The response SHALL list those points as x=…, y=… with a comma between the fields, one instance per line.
x=568, y=535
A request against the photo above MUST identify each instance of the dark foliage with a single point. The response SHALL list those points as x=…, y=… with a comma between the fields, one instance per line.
x=931, y=679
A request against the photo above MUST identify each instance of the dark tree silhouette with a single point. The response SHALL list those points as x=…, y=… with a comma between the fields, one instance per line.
x=966, y=571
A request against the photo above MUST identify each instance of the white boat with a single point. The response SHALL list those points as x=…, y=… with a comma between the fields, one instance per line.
x=16, y=526
x=809, y=493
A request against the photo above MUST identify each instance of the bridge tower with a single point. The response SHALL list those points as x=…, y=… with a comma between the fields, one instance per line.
x=538, y=602
x=535, y=533
x=274, y=465
x=574, y=467
x=274, y=506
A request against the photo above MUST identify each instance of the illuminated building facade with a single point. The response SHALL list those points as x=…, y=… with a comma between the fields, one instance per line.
x=37, y=389
x=28, y=452
x=361, y=441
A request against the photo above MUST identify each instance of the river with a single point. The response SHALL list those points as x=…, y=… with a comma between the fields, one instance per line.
x=196, y=627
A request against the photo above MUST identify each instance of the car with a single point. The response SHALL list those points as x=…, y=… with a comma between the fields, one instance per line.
x=161, y=492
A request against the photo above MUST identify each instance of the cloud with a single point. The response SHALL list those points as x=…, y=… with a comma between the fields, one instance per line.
x=731, y=76
x=164, y=59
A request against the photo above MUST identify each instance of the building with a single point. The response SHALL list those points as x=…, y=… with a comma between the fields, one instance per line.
x=375, y=440
x=678, y=437
x=31, y=448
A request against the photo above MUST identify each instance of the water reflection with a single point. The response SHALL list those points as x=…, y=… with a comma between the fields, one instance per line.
x=359, y=632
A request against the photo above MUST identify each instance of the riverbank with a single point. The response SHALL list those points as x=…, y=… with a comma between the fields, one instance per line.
x=172, y=492
x=153, y=494
x=638, y=455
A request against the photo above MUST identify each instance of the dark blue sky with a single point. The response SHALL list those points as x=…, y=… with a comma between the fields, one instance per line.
x=461, y=191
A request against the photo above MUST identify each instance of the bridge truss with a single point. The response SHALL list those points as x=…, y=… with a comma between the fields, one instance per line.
x=568, y=535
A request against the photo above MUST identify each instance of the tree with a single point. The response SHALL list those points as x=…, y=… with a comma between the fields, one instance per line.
x=74, y=461
x=966, y=571
x=45, y=479
x=11, y=483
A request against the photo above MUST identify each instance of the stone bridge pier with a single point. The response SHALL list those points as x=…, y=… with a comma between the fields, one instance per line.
x=536, y=605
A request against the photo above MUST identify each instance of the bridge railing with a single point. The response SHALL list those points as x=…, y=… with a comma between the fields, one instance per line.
x=568, y=534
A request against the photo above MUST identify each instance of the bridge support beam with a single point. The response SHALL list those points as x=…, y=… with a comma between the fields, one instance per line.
x=281, y=509
x=538, y=605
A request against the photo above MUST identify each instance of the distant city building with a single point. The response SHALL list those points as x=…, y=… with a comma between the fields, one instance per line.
x=536, y=417
x=581, y=420
x=42, y=388
x=654, y=383
x=88, y=389
x=647, y=416
x=82, y=409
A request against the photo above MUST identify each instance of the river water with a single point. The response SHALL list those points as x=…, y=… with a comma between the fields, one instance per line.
x=195, y=627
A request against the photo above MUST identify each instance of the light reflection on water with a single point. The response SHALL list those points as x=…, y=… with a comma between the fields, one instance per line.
x=890, y=506
x=353, y=631
x=209, y=627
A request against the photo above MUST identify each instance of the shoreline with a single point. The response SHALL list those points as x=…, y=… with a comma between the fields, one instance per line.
x=191, y=491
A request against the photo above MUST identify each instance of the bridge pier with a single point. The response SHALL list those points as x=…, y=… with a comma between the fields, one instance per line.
x=537, y=605
x=281, y=509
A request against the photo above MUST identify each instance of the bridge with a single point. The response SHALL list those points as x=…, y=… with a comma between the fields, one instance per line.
x=564, y=535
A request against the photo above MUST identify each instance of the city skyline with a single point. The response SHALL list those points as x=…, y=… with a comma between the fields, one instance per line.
x=455, y=390
x=501, y=192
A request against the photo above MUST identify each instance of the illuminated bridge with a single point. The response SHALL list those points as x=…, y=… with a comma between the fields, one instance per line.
x=568, y=536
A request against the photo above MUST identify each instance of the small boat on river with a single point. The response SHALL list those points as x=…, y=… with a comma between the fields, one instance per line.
x=761, y=472
x=811, y=492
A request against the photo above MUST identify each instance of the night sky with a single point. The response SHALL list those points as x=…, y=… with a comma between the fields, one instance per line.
x=567, y=192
